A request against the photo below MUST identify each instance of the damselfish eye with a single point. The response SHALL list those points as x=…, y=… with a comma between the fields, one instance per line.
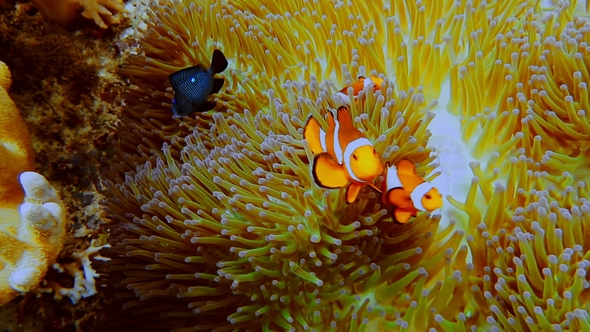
x=374, y=151
x=355, y=157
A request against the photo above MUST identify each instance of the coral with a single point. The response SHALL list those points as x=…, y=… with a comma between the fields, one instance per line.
x=67, y=298
x=32, y=234
x=99, y=9
x=15, y=145
x=31, y=237
x=80, y=269
x=65, y=84
x=64, y=11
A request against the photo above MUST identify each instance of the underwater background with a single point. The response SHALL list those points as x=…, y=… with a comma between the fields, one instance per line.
x=117, y=215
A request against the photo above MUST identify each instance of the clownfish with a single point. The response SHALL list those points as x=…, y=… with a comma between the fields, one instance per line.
x=408, y=192
x=344, y=156
x=359, y=85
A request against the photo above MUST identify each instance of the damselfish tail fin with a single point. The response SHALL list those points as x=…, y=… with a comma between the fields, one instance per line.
x=218, y=62
x=217, y=85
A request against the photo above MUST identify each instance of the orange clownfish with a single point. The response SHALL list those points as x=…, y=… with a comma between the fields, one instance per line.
x=344, y=155
x=408, y=192
x=362, y=83
x=358, y=86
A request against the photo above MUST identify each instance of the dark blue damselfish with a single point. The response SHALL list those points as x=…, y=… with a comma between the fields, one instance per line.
x=193, y=85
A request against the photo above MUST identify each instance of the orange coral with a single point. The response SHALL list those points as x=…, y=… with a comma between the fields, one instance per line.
x=63, y=11
x=31, y=234
x=16, y=151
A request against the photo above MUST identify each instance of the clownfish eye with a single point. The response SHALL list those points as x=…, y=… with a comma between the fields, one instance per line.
x=374, y=151
x=428, y=196
x=354, y=156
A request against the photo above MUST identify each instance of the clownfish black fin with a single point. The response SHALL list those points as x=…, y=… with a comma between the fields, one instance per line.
x=327, y=173
x=352, y=192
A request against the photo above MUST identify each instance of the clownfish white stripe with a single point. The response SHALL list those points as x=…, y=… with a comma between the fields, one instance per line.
x=392, y=180
x=323, y=140
x=341, y=98
x=368, y=82
x=350, y=148
x=337, y=148
x=419, y=192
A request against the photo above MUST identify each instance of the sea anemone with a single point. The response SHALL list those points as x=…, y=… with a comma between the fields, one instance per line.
x=220, y=234
x=531, y=84
x=219, y=225
x=529, y=262
x=335, y=46
x=228, y=232
x=527, y=204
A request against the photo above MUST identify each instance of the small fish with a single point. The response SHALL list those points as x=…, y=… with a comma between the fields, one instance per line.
x=362, y=83
x=193, y=85
x=358, y=86
x=408, y=192
x=344, y=155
